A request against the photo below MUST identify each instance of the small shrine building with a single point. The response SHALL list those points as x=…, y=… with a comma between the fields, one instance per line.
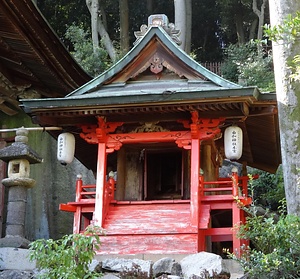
x=152, y=130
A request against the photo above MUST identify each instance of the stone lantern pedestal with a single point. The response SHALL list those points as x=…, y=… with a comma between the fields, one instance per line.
x=19, y=156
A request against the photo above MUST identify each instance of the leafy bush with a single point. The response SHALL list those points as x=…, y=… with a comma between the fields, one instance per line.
x=268, y=190
x=249, y=65
x=68, y=257
x=206, y=275
x=275, y=246
x=93, y=62
x=287, y=33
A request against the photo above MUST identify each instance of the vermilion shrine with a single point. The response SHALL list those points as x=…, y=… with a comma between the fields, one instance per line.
x=157, y=120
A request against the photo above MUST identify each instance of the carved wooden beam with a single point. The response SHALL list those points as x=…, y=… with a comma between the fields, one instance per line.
x=204, y=129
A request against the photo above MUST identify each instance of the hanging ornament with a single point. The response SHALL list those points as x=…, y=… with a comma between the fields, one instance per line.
x=65, y=148
x=233, y=142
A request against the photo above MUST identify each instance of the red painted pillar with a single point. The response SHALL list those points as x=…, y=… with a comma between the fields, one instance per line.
x=236, y=221
x=201, y=232
x=195, y=167
x=238, y=216
x=100, y=183
x=77, y=214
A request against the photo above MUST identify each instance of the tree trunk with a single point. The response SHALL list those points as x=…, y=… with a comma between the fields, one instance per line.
x=261, y=16
x=288, y=97
x=93, y=6
x=252, y=32
x=240, y=29
x=180, y=20
x=98, y=28
x=124, y=26
x=188, y=37
x=149, y=7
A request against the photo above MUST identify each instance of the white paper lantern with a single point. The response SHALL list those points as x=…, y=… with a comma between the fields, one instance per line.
x=65, y=148
x=233, y=142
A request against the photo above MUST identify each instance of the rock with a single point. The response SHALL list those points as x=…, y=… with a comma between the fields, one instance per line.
x=15, y=264
x=169, y=277
x=244, y=277
x=95, y=266
x=8, y=256
x=197, y=264
x=16, y=274
x=110, y=276
x=121, y=265
x=166, y=266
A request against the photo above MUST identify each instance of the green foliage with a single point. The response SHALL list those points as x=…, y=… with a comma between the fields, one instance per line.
x=93, y=62
x=206, y=275
x=68, y=257
x=276, y=252
x=274, y=237
x=268, y=189
x=249, y=65
x=214, y=29
x=61, y=13
x=287, y=33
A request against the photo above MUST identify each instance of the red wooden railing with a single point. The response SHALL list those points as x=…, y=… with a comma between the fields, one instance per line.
x=225, y=193
x=84, y=193
x=237, y=185
x=84, y=204
x=108, y=196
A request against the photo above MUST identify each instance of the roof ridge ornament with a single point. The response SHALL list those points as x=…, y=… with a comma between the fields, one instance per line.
x=162, y=21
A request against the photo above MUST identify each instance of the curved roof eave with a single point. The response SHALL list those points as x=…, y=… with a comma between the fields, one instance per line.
x=96, y=99
x=136, y=50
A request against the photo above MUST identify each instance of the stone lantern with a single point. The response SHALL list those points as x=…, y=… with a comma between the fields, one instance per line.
x=19, y=156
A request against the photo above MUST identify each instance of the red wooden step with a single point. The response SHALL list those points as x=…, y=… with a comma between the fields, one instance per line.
x=148, y=219
x=217, y=198
x=149, y=244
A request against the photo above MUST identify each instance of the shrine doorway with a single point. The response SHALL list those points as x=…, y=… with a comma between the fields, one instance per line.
x=163, y=174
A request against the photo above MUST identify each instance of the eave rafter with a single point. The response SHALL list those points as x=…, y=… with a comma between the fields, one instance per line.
x=227, y=109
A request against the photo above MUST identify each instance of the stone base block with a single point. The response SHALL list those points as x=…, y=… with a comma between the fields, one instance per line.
x=15, y=259
x=14, y=241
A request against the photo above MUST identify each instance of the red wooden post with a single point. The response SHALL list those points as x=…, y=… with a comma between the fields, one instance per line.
x=236, y=221
x=238, y=215
x=77, y=214
x=111, y=182
x=201, y=233
x=100, y=183
x=78, y=187
x=235, y=183
x=195, y=167
x=201, y=186
x=245, y=185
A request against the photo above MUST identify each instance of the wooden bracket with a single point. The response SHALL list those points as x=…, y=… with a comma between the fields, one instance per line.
x=184, y=143
x=204, y=128
x=94, y=134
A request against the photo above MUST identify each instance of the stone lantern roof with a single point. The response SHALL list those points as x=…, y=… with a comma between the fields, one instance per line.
x=19, y=149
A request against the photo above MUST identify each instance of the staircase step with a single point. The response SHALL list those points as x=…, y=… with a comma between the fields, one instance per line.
x=147, y=228
x=148, y=219
x=149, y=244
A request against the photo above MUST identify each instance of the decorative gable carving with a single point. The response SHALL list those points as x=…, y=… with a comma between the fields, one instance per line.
x=156, y=64
x=159, y=20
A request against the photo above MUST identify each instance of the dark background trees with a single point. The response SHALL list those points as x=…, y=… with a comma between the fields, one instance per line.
x=216, y=24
